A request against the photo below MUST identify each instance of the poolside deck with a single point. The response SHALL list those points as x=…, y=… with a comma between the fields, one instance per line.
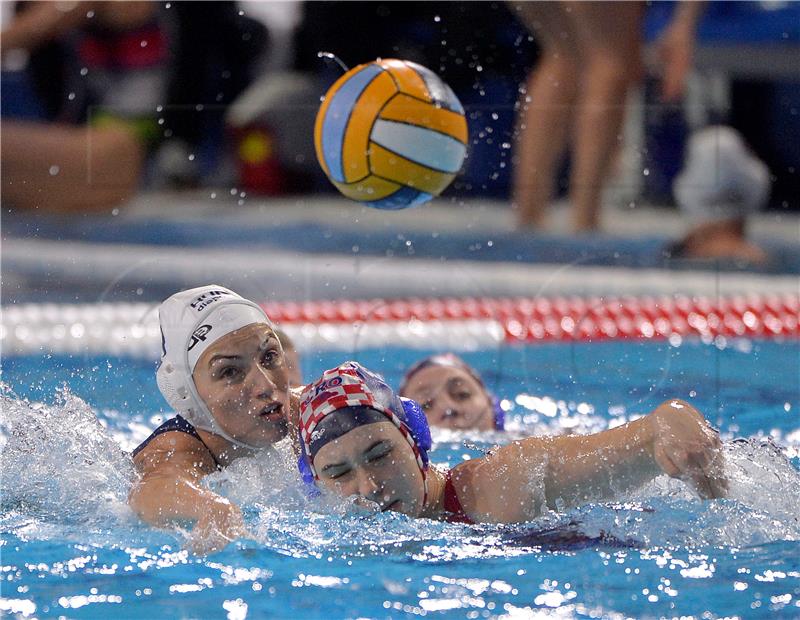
x=327, y=248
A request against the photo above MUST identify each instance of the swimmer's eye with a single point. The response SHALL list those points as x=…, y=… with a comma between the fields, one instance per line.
x=426, y=405
x=271, y=358
x=463, y=395
x=228, y=372
x=383, y=454
x=338, y=474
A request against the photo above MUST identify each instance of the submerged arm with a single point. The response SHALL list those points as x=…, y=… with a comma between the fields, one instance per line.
x=518, y=481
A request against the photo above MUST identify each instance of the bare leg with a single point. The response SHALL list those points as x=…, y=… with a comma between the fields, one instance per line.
x=610, y=40
x=545, y=112
x=60, y=168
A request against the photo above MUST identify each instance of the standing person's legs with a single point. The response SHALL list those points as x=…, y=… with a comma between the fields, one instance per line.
x=546, y=110
x=610, y=44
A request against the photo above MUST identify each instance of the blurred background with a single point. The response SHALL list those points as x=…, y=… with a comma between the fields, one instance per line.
x=121, y=120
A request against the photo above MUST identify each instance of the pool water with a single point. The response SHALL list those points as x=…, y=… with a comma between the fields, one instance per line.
x=71, y=548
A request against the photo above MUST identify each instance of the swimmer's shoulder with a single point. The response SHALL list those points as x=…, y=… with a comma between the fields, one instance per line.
x=496, y=487
x=175, y=449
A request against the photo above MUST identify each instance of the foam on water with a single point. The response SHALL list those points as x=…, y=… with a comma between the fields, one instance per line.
x=59, y=463
x=68, y=470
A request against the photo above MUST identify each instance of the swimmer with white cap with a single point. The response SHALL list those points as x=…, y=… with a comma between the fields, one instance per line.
x=358, y=439
x=722, y=183
x=223, y=370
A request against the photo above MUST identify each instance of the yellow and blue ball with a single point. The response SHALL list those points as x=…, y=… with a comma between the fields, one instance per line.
x=390, y=134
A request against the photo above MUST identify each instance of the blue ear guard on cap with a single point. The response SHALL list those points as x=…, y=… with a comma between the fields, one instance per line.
x=413, y=417
x=418, y=425
x=499, y=414
x=305, y=473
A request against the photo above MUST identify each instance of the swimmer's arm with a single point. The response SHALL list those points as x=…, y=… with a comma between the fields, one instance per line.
x=520, y=480
x=169, y=489
x=41, y=22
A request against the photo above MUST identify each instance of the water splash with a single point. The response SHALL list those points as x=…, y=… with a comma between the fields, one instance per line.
x=59, y=463
x=330, y=56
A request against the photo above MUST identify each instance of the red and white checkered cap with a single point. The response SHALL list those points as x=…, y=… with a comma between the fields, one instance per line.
x=352, y=385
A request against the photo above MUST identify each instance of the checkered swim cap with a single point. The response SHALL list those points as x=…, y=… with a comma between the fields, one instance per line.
x=352, y=385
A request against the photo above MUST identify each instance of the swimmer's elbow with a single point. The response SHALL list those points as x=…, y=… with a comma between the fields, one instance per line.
x=144, y=502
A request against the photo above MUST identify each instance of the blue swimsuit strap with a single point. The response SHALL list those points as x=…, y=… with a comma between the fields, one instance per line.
x=178, y=424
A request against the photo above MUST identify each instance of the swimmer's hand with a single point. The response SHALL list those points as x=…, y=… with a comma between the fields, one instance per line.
x=219, y=525
x=685, y=446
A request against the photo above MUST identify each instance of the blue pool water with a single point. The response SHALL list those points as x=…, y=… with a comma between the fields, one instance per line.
x=70, y=547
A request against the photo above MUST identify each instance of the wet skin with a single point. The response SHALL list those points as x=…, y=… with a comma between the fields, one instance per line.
x=451, y=398
x=376, y=463
x=244, y=380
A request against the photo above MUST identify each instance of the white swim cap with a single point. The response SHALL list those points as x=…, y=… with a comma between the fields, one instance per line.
x=721, y=178
x=191, y=321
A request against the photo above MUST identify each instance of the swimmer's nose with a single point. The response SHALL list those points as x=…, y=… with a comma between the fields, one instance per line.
x=263, y=385
x=368, y=487
x=451, y=414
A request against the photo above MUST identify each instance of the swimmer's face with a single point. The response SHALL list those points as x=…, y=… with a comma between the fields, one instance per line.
x=451, y=398
x=374, y=462
x=243, y=379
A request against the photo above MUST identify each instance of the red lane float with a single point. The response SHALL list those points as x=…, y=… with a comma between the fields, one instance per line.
x=570, y=318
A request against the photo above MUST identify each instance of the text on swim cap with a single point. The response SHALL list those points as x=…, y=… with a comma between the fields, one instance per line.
x=321, y=386
x=209, y=297
x=199, y=335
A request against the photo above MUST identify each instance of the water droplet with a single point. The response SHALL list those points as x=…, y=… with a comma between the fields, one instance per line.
x=84, y=71
x=437, y=18
x=213, y=195
x=234, y=191
x=89, y=14
x=168, y=5
x=54, y=170
x=191, y=156
x=71, y=96
x=143, y=43
x=646, y=172
x=114, y=212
